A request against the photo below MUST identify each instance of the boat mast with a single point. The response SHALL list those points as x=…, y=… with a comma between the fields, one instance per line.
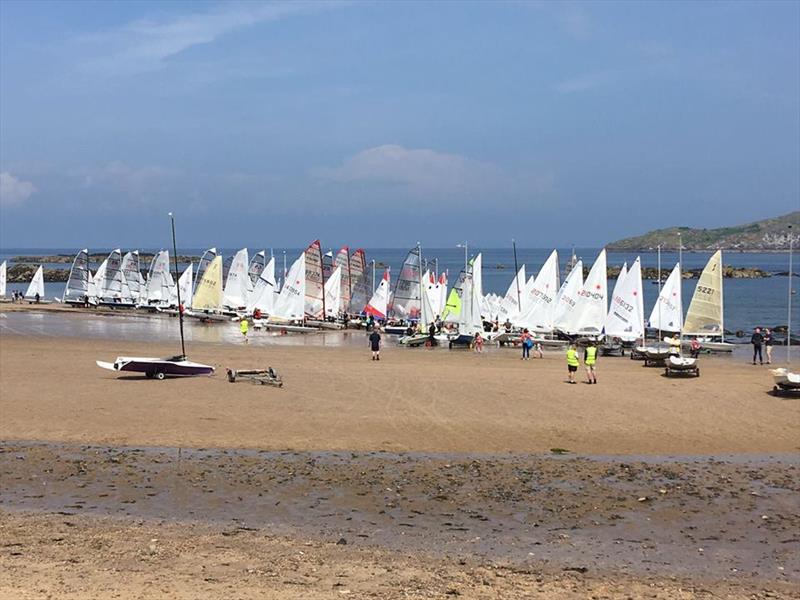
x=789, y=309
x=419, y=277
x=721, y=300
x=349, y=282
x=177, y=284
x=680, y=283
x=516, y=275
x=322, y=274
x=659, y=295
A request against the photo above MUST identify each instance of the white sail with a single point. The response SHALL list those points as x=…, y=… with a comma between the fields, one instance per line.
x=378, y=304
x=430, y=298
x=625, y=319
x=113, y=287
x=667, y=314
x=469, y=321
x=132, y=274
x=290, y=305
x=541, y=296
x=257, y=264
x=592, y=306
x=442, y=285
x=406, y=300
x=509, y=309
x=565, y=314
x=3, y=277
x=36, y=286
x=333, y=293
x=705, y=314
x=159, y=280
x=77, y=288
x=94, y=286
x=236, y=284
x=264, y=293
x=208, y=291
x=620, y=278
x=185, y=286
x=314, y=285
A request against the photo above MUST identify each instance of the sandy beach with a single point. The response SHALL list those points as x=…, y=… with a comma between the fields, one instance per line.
x=429, y=474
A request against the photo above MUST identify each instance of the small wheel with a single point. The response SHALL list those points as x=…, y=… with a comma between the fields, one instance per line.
x=160, y=376
x=697, y=373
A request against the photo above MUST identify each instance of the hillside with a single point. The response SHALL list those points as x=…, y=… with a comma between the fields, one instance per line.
x=762, y=236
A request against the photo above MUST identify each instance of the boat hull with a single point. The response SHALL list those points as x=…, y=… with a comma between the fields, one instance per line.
x=157, y=367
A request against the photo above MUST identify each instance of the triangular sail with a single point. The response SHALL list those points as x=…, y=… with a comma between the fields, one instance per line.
x=667, y=314
x=205, y=260
x=442, y=285
x=592, y=306
x=237, y=282
x=359, y=282
x=77, y=288
x=36, y=286
x=333, y=293
x=564, y=313
x=290, y=304
x=541, y=296
x=208, y=292
x=469, y=321
x=159, y=280
x=257, y=264
x=3, y=278
x=96, y=283
x=132, y=274
x=406, y=298
x=705, y=316
x=430, y=298
x=510, y=305
x=625, y=319
x=264, y=292
x=113, y=287
x=620, y=278
x=314, y=293
x=185, y=286
x=378, y=304
x=343, y=262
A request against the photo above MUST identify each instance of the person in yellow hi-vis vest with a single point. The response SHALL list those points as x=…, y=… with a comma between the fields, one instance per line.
x=572, y=362
x=244, y=326
x=590, y=360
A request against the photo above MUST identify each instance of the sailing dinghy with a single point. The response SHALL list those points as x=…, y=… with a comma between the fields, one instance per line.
x=705, y=319
x=159, y=368
x=35, y=289
x=77, y=289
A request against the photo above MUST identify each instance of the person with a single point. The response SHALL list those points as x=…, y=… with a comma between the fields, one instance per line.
x=527, y=344
x=572, y=362
x=695, y=348
x=507, y=326
x=537, y=350
x=768, y=341
x=244, y=326
x=370, y=323
x=590, y=361
x=257, y=313
x=375, y=343
x=432, y=334
x=438, y=322
x=478, y=343
x=757, y=339
x=36, y=298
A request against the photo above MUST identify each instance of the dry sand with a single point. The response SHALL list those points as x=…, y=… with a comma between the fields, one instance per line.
x=432, y=466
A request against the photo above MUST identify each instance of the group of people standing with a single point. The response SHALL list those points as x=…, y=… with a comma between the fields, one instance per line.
x=19, y=297
x=759, y=340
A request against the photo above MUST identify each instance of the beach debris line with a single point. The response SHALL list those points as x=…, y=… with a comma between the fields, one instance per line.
x=268, y=376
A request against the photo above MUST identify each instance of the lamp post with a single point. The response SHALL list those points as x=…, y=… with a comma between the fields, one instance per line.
x=465, y=246
x=789, y=310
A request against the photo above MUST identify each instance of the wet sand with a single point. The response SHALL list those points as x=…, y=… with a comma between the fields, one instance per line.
x=429, y=474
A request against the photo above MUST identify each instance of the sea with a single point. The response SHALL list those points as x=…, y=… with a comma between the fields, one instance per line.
x=748, y=303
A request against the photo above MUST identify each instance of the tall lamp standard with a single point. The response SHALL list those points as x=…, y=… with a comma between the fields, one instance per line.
x=789, y=310
x=465, y=246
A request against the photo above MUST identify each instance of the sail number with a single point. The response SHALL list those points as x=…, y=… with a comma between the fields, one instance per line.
x=705, y=290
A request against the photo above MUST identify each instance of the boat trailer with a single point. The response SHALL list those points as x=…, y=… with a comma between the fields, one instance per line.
x=257, y=376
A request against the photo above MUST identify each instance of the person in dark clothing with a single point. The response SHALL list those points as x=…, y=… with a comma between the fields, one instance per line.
x=375, y=344
x=432, y=334
x=757, y=339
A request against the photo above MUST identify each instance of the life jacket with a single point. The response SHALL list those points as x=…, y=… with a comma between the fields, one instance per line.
x=244, y=326
x=572, y=358
x=591, y=355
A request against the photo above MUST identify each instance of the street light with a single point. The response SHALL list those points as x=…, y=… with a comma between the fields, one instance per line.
x=465, y=246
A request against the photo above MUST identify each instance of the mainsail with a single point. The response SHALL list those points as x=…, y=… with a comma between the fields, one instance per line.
x=257, y=264
x=343, y=262
x=290, y=304
x=625, y=319
x=132, y=274
x=541, y=296
x=36, y=286
x=263, y=296
x=510, y=304
x=159, y=280
x=406, y=298
x=333, y=293
x=205, y=260
x=592, y=307
x=314, y=293
x=564, y=313
x=185, y=286
x=77, y=288
x=359, y=284
x=113, y=287
x=377, y=306
x=667, y=314
x=208, y=292
x=469, y=320
x=237, y=282
x=705, y=314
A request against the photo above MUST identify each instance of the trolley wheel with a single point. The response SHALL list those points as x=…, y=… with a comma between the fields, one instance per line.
x=697, y=373
x=160, y=376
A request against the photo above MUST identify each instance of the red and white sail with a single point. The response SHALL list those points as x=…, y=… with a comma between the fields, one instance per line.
x=378, y=305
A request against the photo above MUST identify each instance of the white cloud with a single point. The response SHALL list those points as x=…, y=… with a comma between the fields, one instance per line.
x=146, y=44
x=420, y=169
x=585, y=82
x=14, y=191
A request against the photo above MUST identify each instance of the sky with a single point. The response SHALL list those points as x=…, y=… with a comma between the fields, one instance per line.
x=380, y=124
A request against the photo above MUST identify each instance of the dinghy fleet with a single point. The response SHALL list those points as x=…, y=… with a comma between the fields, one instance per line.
x=327, y=290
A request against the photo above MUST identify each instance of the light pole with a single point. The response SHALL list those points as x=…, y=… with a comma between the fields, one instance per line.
x=465, y=246
x=373, y=274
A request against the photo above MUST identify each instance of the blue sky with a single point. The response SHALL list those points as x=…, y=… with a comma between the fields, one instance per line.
x=380, y=124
